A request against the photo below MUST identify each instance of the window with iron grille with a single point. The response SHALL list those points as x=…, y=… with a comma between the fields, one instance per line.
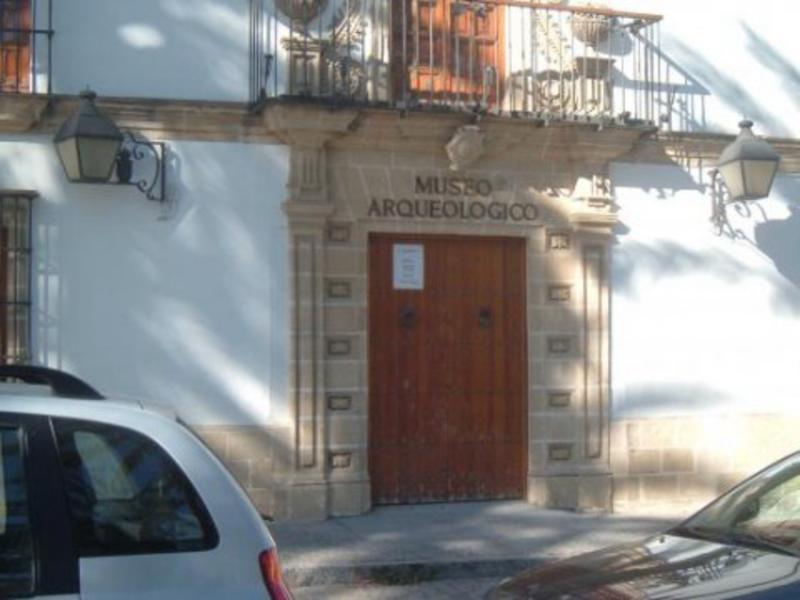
x=15, y=45
x=25, y=48
x=15, y=275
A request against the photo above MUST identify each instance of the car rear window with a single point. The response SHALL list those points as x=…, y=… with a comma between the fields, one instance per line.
x=126, y=495
x=16, y=543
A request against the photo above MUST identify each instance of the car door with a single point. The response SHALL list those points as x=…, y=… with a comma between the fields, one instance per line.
x=142, y=530
x=37, y=555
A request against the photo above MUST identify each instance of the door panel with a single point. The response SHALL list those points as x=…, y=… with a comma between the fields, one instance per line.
x=37, y=555
x=143, y=532
x=447, y=372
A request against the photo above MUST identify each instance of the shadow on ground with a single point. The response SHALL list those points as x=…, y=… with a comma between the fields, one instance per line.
x=409, y=544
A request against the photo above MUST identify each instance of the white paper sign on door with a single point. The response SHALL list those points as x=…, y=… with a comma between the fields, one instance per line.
x=409, y=267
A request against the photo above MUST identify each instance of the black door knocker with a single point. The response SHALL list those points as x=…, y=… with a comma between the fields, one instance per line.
x=408, y=317
x=484, y=316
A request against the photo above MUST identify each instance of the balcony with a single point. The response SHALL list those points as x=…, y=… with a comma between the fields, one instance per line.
x=516, y=58
x=25, y=34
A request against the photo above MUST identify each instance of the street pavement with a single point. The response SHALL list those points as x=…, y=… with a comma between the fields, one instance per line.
x=461, y=589
x=441, y=550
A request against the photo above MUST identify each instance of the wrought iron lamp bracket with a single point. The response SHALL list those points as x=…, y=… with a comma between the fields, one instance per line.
x=135, y=149
x=720, y=200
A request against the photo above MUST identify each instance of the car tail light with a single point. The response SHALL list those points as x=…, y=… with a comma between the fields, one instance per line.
x=271, y=571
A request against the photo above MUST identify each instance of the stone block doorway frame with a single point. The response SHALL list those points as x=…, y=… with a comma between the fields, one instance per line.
x=334, y=173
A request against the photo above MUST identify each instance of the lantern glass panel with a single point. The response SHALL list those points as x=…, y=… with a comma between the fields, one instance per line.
x=97, y=156
x=758, y=176
x=733, y=176
x=68, y=153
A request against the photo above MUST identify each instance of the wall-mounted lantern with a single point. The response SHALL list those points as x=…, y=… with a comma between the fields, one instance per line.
x=745, y=171
x=90, y=145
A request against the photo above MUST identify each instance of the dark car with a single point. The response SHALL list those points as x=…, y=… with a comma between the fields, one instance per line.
x=745, y=544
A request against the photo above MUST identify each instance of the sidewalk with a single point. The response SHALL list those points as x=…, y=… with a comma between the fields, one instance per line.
x=404, y=545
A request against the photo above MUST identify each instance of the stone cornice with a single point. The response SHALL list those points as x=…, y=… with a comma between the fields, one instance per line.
x=19, y=113
x=308, y=125
x=379, y=129
x=157, y=118
x=299, y=122
x=704, y=149
x=507, y=138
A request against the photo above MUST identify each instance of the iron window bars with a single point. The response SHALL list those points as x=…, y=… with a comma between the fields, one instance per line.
x=15, y=276
x=26, y=46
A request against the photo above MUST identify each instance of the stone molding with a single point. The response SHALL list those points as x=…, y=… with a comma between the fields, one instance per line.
x=595, y=215
x=315, y=214
x=592, y=206
x=308, y=125
x=307, y=131
x=705, y=148
x=239, y=121
x=19, y=113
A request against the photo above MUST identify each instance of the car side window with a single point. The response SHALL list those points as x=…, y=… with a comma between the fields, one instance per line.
x=126, y=495
x=16, y=540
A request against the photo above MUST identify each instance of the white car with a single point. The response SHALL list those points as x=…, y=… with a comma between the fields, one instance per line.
x=103, y=499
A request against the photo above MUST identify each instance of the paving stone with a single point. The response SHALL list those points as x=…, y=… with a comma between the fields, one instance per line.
x=463, y=589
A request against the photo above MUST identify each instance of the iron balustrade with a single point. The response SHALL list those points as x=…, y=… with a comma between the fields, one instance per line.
x=26, y=46
x=527, y=59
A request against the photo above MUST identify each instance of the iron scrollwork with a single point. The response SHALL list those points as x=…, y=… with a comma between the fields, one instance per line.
x=720, y=200
x=136, y=149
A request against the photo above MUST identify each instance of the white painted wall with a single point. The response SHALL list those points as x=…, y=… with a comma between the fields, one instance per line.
x=729, y=59
x=702, y=323
x=185, y=306
x=196, y=49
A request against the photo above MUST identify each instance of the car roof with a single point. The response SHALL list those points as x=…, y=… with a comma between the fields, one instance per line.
x=33, y=389
x=38, y=400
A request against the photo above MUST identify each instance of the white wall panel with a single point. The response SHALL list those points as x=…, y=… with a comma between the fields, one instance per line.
x=186, y=305
x=728, y=59
x=196, y=49
x=702, y=323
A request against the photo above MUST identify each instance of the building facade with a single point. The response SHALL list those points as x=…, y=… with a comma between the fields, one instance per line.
x=410, y=251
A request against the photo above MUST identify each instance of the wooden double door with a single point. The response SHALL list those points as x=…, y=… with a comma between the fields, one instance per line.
x=447, y=368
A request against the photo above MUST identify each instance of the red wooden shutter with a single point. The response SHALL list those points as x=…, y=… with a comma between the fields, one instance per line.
x=15, y=44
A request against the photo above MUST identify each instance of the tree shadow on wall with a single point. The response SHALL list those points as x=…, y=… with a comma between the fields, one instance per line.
x=780, y=239
x=728, y=89
x=774, y=61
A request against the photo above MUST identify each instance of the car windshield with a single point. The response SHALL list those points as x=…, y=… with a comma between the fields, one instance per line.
x=763, y=512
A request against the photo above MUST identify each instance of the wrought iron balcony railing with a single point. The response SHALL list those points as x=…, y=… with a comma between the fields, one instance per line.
x=502, y=56
x=25, y=48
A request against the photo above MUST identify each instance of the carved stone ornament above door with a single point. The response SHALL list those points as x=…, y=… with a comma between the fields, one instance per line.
x=465, y=147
